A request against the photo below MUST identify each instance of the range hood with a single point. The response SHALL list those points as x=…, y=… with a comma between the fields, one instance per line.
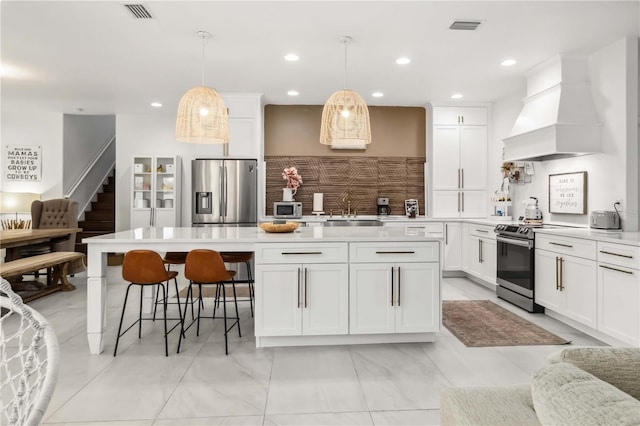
x=559, y=118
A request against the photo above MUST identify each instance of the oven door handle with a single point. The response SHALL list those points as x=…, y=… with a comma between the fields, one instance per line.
x=522, y=243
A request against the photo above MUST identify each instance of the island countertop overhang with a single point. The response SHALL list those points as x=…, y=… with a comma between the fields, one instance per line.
x=255, y=235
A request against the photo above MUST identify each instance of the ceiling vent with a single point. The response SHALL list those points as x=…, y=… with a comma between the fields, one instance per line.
x=465, y=25
x=138, y=10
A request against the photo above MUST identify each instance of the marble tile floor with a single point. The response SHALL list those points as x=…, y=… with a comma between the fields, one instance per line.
x=394, y=384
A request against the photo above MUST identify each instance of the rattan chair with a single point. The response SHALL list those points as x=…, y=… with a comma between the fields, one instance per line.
x=145, y=268
x=205, y=267
x=29, y=355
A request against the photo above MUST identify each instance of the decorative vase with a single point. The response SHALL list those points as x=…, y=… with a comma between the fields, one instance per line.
x=288, y=193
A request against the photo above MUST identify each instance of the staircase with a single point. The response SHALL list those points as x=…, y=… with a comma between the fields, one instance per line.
x=101, y=219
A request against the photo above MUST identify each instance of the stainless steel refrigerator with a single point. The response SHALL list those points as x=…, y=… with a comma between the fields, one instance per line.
x=224, y=192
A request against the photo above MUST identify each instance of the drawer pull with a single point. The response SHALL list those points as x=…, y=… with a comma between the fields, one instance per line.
x=399, y=285
x=561, y=274
x=392, y=285
x=298, y=288
x=616, y=269
x=482, y=230
x=284, y=253
x=616, y=254
x=395, y=252
x=560, y=244
x=305, y=287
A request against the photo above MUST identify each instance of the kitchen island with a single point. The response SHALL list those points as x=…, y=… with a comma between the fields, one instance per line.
x=377, y=284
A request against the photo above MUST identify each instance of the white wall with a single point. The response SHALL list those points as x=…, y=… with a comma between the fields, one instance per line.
x=152, y=135
x=35, y=127
x=83, y=136
x=606, y=171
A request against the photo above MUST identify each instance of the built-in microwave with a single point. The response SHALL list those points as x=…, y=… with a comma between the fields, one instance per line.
x=287, y=210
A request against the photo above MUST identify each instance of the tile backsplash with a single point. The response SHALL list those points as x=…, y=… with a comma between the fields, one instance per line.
x=360, y=180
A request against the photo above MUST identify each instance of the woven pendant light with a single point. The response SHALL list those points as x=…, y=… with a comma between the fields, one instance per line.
x=345, y=116
x=202, y=115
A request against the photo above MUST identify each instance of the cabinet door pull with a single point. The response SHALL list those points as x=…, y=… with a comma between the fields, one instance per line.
x=399, y=285
x=462, y=173
x=458, y=178
x=561, y=284
x=616, y=254
x=396, y=252
x=446, y=233
x=305, y=287
x=392, y=286
x=462, y=194
x=557, y=286
x=285, y=253
x=458, y=202
x=298, y=288
x=560, y=244
x=616, y=269
x=481, y=253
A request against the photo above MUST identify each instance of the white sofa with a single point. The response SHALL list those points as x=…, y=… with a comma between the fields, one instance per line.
x=579, y=386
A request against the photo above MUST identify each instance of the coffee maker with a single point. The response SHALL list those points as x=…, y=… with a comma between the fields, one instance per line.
x=383, y=206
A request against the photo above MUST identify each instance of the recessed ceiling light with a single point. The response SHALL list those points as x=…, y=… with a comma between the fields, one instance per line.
x=156, y=104
x=293, y=93
x=291, y=57
x=457, y=96
x=403, y=61
x=377, y=94
x=508, y=62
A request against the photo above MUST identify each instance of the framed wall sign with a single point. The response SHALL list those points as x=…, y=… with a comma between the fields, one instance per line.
x=568, y=193
x=22, y=163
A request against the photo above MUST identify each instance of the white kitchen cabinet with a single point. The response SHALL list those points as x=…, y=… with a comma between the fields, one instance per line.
x=619, y=291
x=394, y=288
x=156, y=195
x=452, y=246
x=459, y=165
x=463, y=204
x=460, y=115
x=245, y=124
x=564, y=282
x=299, y=292
x=480, y=248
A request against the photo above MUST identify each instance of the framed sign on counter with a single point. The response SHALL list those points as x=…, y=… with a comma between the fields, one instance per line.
x=568, y=193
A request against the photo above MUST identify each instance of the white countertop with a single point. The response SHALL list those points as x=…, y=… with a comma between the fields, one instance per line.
x=630, y=238
x=253, y=234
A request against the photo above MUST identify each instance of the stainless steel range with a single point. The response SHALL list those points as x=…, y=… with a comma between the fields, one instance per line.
x=515, y=265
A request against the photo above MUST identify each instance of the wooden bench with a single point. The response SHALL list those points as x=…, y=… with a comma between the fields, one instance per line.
x=58, y=260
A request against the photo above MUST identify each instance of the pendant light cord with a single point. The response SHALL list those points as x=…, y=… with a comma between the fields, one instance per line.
x=346, y=44
x=204, y=36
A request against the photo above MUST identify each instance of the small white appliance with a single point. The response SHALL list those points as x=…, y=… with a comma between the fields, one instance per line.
x=603, y=219
x=287, y=210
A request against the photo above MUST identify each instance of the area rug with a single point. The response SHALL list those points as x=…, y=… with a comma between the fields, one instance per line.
x=478, y=323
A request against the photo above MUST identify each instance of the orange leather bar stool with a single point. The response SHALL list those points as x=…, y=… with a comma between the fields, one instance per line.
x=242, y=257
x=173, y=258
x=145, y=268
x=205, y=267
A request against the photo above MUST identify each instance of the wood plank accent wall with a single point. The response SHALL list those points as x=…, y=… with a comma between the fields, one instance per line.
x=359, y=179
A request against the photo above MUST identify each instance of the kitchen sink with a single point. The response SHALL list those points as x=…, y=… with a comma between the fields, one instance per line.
x=353, y=222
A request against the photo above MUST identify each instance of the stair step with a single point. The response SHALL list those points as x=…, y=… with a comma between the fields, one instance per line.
x=109, y=188
x=99, y=215
x=106, y=197
x=97, y=225
x=97, y=206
